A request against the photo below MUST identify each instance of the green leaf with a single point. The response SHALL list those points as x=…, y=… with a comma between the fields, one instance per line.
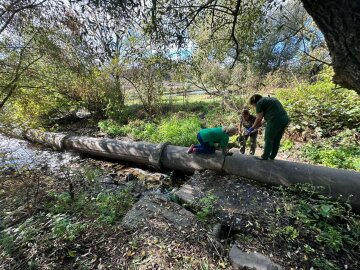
x=72, y=253
x=325, y=210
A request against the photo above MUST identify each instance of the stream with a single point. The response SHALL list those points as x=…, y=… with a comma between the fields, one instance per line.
x=18, y=155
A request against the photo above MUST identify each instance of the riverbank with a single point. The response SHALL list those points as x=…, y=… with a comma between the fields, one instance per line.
x=88, y=215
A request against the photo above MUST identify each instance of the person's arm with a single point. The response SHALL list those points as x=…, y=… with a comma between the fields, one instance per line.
x=256, y=124
x=258, y=120
x=240, y=125
x=224, y=143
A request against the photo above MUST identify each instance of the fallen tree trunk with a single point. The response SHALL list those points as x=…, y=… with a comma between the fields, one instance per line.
x=337, y=182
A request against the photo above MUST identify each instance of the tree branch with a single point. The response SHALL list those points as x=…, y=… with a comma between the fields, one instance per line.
x=14, y=12
x=233, y=36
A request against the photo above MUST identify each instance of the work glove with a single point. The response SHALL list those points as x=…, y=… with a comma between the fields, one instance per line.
x=249, y=130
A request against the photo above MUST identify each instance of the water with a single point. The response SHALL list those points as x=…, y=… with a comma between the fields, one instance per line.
x=18, y=154
x=189, y=93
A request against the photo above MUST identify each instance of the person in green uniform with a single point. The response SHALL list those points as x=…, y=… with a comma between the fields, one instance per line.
x=276, y=119
x=209, y=136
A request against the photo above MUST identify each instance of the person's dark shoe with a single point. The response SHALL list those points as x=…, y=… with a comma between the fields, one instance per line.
x=261, y=158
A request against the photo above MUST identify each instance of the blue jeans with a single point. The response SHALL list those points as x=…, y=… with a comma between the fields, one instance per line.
x=203, y=147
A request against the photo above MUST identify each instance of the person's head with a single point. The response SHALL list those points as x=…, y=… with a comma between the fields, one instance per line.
x=230, y=130
x=245, y=114
x=254, y=99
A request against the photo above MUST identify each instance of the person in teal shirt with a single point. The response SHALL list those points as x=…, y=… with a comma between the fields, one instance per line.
x=276, y=119
x=208, y=137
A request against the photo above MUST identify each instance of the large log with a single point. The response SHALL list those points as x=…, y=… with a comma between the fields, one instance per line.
x=337, y=182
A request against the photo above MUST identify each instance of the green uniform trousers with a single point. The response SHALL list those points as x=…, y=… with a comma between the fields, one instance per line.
x=273, y=133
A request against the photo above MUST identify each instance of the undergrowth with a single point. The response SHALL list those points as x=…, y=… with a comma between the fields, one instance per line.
x=308, y=229
x=52, y=219
x=319, y=227
x=340, y=151
x=177, y=129
x=321, y=105
x=206, y=207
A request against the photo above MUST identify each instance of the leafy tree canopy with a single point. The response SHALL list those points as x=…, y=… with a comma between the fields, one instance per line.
x=170, y=22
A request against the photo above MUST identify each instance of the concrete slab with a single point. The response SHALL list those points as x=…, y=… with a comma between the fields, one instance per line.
x=237, y=198
x=242, y=260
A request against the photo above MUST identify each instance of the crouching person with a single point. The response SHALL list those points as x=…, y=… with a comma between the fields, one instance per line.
x=209, y=136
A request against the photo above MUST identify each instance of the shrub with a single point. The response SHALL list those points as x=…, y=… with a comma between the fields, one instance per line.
x=32, y=107
x=321, y=105
x=176, y=129
x=287, y=144
x=106, y=207
x=113, y=206
x=62, y=202
x=7, y=242
x=341, y=157
x=340, y=151
x=63, y=227
x=206, y=207
x=112, y=128
x=323, y=221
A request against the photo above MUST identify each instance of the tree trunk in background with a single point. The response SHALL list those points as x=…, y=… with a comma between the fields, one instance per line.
x=339, y=21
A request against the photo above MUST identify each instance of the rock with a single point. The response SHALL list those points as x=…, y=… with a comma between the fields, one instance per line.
x=153, y=209
x=217, y=231
x=187, y=193
x=129, y=177
x=108, y=180
x=235, y=198
x=250, y=261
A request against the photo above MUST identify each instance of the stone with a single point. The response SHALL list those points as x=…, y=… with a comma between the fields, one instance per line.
x=129, y=177
x=217, y=231
x=187, y=193
x=154, y=209
x=236, y=198
x=250, y=261
x=108, y=180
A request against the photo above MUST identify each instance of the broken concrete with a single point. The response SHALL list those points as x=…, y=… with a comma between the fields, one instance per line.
x=157, y=210
x=236, y=197
x=250, y=261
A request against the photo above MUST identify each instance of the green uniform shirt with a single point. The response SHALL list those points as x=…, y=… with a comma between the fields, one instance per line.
x=272, y=109
x=214, y=135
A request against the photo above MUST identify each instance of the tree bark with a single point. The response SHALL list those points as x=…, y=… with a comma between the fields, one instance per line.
x=339, y=21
